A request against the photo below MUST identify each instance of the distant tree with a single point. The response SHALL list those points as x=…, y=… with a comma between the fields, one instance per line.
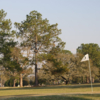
x=93, y=50
x=17, y=55
x=80, y=70
x=55, y=64
x=66, y=52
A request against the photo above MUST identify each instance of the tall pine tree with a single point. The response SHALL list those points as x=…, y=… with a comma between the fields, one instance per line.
x=38, y=35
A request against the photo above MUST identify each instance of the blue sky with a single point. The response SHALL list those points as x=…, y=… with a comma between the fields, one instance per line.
x=79, y=20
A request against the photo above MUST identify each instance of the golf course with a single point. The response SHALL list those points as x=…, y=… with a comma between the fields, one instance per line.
x=50, y=50
x=56, y=92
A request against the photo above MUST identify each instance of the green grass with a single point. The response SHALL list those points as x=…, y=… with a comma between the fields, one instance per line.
x=66, y=92
x=59, y=97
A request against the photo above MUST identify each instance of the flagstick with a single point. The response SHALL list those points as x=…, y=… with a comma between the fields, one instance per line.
x=90, y=76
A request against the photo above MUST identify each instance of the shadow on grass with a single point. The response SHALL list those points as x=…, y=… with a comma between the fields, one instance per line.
x=53, y=87
x=47, y=98
x=91, y=95
x=12, y=96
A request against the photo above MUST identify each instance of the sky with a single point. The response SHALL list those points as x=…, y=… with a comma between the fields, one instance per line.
x=79, y=20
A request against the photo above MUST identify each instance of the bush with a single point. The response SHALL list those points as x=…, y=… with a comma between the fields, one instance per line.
x=42, y=81
x=25, y=82
x=9, y=82
x=32, y=82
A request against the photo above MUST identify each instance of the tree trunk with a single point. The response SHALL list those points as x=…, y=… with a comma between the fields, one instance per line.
x=36, y=76
x=87, y=79
x=92, y=79
x=14, y=80
x=68, y=81
x=82, y=79
x=1, y=82
x=21, y=80
x=99, y=74
x=36, y=51
x=54, y=82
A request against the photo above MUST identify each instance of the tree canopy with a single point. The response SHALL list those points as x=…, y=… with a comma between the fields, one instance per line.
x=93, y=50
x=42, y=44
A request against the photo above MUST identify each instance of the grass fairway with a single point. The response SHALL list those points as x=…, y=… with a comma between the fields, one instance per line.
x=67, y=92
x=58, y=97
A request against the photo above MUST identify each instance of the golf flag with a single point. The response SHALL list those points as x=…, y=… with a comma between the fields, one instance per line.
x=85, y=58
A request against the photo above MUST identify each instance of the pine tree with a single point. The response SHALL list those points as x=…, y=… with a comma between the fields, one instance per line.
x=38, y=34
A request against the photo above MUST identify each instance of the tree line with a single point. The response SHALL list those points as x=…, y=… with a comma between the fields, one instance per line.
x=34, y=42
